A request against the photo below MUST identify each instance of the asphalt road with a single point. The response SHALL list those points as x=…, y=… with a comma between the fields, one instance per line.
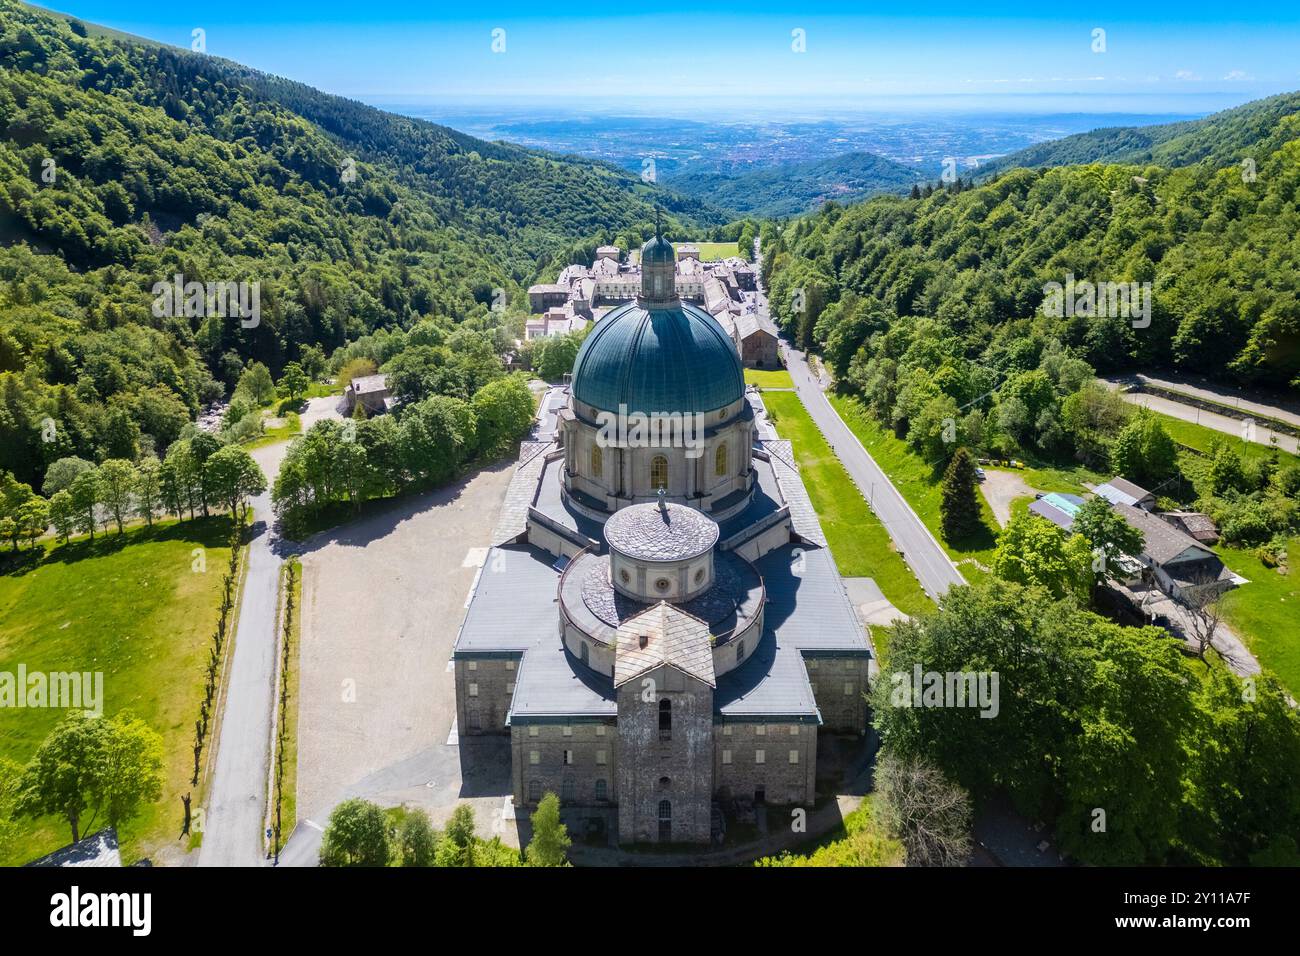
x=235, y=815
x=1220, y=423
x=923, y=554
x=236, y=807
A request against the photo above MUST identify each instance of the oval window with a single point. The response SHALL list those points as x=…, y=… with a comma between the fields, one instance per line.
x=662, y=584
x=624, y=576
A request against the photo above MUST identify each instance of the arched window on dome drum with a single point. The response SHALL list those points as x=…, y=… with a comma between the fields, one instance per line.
x=597, y=462
x=658, y=472
x=720, y=461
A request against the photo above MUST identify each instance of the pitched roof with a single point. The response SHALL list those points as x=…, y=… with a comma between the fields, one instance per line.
x=1162, y=541
x=671, y=637
x=98, y=849
x=1121, y=491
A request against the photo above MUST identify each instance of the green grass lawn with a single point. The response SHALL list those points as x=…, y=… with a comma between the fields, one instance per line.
x=858, y=540
x=289, y=785
x=918, y=482
x=1203, y=438
x=768, y=378
x=1265, y=611
x=131, y=607
x=713, y=251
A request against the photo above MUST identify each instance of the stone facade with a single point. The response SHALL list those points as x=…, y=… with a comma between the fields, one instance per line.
x=484, y=687
x=772, y=761
x=577, y=760
x=840, y=685
x=665, y=758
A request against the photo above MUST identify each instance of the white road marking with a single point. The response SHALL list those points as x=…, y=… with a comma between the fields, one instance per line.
x=314, y=825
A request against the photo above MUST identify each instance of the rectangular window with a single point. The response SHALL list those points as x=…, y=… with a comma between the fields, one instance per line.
x=760, y=756
x=794, y=730
x=761, y=730
x=534, y=730
x=726, y=756
x=568, y=730
x=600, y=730
x=852, y=665
x=726, y=730
x=568, y=758
x=794, y=756
x=473, y=665
x=473, y=690
x=510, y=688
x=534, y=757
x=510, y=665
x=812, y=664
x=600, y=758
x=848, y=688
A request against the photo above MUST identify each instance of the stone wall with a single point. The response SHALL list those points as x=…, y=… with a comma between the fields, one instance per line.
x=484, y=687
x=675, y=770
x=567, y=759
x=779, y=778
x=839, y=686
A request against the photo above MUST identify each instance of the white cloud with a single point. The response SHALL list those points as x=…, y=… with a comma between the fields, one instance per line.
x=1186, y=75
x=1238, y=76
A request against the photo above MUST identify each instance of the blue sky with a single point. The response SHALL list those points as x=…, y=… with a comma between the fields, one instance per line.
x=404, y=49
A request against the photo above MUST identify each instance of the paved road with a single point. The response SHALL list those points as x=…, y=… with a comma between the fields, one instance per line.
x=1220, y=423
x=1281, y=409
x=233, y=822
x=923, y=554
x=233, y=825
x=918, y=547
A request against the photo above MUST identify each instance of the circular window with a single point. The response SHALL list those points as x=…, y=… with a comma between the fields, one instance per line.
x=624, y=576
x=662, y=584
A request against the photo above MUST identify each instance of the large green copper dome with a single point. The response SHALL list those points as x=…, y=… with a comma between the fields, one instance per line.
x=672, y=359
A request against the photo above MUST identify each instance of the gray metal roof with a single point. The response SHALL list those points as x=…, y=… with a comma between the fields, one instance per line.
x=808, y=611
x=513, y=601
x=98, y=849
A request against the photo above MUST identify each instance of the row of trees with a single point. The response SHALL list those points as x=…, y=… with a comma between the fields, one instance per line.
x=359, y=833
x=198, y=474
x=425, y=444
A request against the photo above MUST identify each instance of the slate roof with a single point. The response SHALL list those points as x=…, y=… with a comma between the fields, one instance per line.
x=368, y=384
x=671, y=637
x=98, y=849
x=513, y=519
x=651, y=532
x=803, y=516
x=808, y=612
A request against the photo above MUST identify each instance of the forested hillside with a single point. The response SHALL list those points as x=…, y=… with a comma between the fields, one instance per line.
x=123, y=164
x=796, y=188
x=1221, y=254
x=1223, y=139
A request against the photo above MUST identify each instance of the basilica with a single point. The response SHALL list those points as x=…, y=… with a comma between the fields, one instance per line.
x=659, y=624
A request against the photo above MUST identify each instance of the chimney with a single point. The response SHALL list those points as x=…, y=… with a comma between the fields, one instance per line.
x=643, y=640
